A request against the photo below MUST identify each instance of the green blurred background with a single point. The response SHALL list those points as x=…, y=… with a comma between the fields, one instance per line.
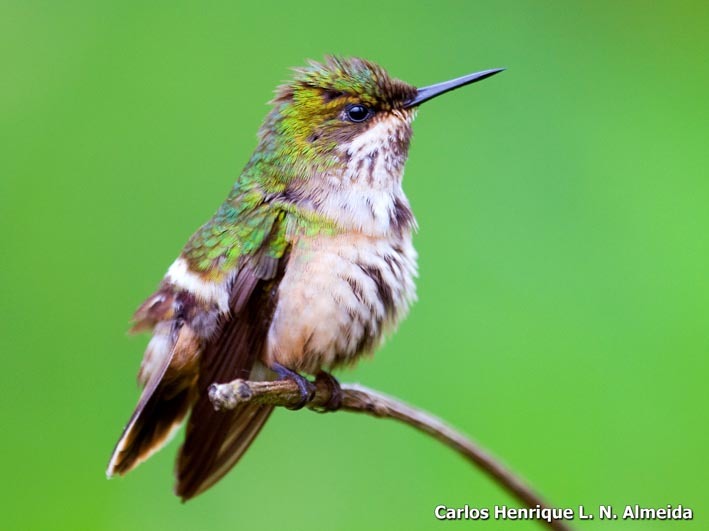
x=563, y=294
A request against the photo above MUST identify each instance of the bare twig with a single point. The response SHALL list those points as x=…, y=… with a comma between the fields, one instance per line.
x=359, y=399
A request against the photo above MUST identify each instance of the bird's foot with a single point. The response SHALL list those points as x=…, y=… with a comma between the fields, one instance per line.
x=306, y=389
x=335, y=401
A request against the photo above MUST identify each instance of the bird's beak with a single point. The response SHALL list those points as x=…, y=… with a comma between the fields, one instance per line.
x=430, y=92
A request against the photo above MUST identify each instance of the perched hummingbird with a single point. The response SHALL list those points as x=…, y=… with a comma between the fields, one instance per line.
x=306, y=266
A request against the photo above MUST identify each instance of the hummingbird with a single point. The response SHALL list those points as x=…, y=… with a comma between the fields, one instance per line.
x=305, y=267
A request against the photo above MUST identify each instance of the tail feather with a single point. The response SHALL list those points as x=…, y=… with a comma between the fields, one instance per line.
x=241, y=426
x=164, y=403
x=150, y=428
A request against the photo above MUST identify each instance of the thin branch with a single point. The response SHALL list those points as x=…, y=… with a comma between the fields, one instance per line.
x=359, y=399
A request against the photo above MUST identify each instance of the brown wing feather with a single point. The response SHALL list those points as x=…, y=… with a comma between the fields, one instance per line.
x=216, y=440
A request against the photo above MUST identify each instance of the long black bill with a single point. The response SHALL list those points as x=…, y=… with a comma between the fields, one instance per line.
x=430, y=92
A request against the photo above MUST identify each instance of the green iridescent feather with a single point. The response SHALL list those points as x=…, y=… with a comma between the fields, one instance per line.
x=296, y=141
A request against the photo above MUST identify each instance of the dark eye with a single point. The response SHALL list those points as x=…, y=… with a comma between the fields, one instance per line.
x=357, y=113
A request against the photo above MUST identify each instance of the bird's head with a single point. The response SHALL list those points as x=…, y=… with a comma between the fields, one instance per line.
x=346, y=114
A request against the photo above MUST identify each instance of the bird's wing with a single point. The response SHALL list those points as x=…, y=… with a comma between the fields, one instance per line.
x=216, y=440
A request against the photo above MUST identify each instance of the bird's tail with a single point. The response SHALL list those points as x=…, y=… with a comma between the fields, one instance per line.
x=216, y=440
x=170, y=375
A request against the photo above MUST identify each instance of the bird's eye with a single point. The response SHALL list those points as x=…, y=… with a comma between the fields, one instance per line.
x=357, y=113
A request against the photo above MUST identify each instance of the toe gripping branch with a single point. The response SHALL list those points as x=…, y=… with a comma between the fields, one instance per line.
x=307, y=389
x=335, y=401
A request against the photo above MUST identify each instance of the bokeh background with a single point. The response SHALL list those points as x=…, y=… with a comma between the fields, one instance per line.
x=563, y=295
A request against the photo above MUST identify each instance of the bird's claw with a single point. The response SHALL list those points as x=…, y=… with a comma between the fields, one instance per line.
x=305, y=387
x=335, y=401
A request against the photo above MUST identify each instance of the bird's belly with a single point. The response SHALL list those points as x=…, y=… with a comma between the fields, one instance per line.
x=338, y=298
